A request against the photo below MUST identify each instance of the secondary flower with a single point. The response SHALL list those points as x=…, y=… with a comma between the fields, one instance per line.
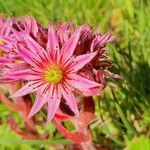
x=53, y=73
x=89, y=41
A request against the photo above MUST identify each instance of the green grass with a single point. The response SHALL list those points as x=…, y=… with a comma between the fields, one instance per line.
x=123, y=109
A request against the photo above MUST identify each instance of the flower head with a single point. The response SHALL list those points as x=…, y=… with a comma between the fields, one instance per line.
x=53, y=73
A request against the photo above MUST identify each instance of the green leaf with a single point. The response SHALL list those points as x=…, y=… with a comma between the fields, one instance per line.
x=139, y=144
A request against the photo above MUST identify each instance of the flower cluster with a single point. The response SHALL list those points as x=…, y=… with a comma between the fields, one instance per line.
x=61, y=66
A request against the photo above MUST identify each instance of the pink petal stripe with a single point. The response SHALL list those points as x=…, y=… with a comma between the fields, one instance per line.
x=69, y=46
x=43, y=88
x=26, y=55
x=34, y=27
x=6, y=28
x=53, y=104
x=38, y=104
x=92, y=91
x=15, y=67
x=80, y=82
x=29, y=57
x=28, y=88
x=52, y=43
x=5, y=80
x=5, y=48
x=39, y=52
x=4, y=60
x=7, y=39
x=81, y=61
x=70, y=99
x=20, y=74
x=33, y=45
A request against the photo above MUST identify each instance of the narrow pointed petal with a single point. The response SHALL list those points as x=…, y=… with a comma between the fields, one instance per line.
x=26, y=55
x=6, y=48
x=20, y=74
x=52, y=43
x=16, y=67
x=79, y=82
x=82, y=60
x=70, y=99
x=4, y=60
x=6, y=29
x=53, y=104
x=34, y=27
x=39, y=52
x=38, y=104
x=69, y=47
x=92, y=91
x=28, y=88
x=32, y=45
x=5, y=80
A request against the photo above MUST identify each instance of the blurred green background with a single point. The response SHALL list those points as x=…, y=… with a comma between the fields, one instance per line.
x=123, y=111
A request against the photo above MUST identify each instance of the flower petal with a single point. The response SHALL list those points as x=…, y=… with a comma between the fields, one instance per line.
x=6, y=29
x=4, y=60
x=38, y=104
x=70, y=98
x=37, y=51
x=92, y=91
x=52, y=43
x=26, y=55
x=79, y=82
x=33, y=27
x=20, y=74
x=69, y=47
x=53, y=104
x=32, y=44
x=28, y=88
x=82, y=60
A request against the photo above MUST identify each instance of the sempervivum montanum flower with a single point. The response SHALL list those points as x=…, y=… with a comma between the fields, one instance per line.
x=9, y=35
x=53, y=72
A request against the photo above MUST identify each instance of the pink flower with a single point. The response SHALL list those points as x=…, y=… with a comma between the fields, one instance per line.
x=53, y=73
x=10, y=34
x=97, y=69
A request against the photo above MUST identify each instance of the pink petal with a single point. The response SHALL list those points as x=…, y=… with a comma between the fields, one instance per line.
x=79, y=82
x=4, y=60
x=26, y=55
x=92, y=91
x=5, y=80
x=5, y=48
x=28, y=88
x=18, y=66
x=52, y=43
x=53, y=104
x=20, y=74
x=34, y=27
x=38, y=104
x=32, y=44
x=69, y=47
x=81, y=61
x=36, y=49
x=70, y=98
x=6, y=29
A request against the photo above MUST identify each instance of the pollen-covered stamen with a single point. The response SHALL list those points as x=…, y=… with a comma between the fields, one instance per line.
x=53, y=74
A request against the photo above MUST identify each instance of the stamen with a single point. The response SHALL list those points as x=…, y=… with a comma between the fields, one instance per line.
x=53, y=74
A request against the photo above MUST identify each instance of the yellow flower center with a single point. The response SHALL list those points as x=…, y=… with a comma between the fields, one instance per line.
x=53, y=74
